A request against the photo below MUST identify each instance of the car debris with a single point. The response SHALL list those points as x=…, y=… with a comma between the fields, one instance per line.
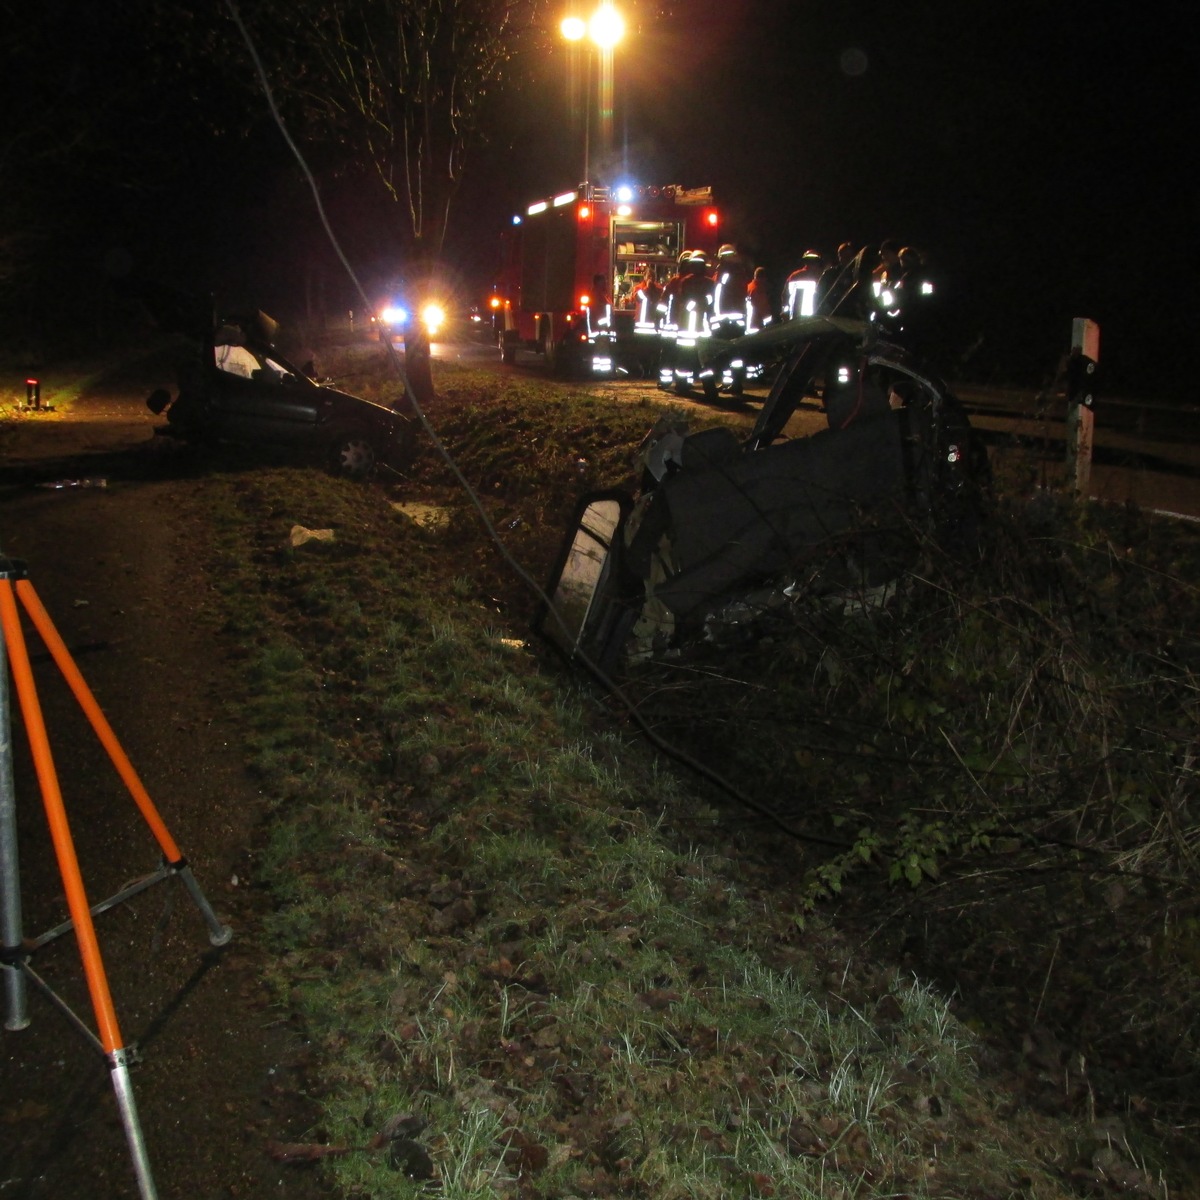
x=300, y=536
x=723, y=532
x=432, y=518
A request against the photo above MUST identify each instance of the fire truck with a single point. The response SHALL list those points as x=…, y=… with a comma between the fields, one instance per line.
x=572, y=264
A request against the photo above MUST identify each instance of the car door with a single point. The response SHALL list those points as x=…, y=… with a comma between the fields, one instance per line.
x=261, y=398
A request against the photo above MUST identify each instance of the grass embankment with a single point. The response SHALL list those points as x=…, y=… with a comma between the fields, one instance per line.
x=536, y=962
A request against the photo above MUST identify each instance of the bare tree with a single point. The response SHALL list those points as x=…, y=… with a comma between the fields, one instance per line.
x=394, y=90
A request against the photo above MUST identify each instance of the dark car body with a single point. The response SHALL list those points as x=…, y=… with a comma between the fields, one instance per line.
x=239, y=388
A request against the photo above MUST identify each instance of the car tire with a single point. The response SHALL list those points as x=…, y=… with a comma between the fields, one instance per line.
x=353, y=455
x=158, y=400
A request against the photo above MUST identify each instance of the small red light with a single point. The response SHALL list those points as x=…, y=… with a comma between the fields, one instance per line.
x=584, y=212
x=495, y=302
x=712, y=218
x=584, y=301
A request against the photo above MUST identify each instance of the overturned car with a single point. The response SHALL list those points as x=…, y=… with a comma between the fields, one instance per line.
x=238, y=388
x=725, y=531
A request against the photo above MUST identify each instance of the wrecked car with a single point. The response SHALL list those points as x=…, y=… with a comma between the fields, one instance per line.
x=239, y=388
x=725, y=531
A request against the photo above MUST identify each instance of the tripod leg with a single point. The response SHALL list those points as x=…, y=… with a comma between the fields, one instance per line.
x=68, y=866
x=97, y=719
x=218, y=934
x=133, y=1128
x=11, y=931
x=56, y=815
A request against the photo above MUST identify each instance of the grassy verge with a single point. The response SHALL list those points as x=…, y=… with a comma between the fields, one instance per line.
x=535, y=963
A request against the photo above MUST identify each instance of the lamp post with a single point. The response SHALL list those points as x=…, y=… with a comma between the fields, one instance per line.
x=604, y=29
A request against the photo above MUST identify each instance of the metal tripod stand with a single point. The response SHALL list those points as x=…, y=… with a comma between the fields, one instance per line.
x=16, y=950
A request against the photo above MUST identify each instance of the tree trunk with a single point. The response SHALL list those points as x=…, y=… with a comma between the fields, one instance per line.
x=418, y=363
x=418, y=356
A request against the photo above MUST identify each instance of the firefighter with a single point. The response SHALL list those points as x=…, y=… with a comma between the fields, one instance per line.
x=836, y=280
x=915, y=324
x=886, y=288
x=668, y=304
x=691, y=316
x=732, y=278
x=646, y=298
x=597, y=312
x=799, y=299
x=914, y=275
x=888, y=269
x=760, y=308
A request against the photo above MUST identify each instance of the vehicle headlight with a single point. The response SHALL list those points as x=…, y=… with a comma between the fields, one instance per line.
x=433, y=317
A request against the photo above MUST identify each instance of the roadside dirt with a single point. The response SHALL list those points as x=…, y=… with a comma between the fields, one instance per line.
x=221, y=1075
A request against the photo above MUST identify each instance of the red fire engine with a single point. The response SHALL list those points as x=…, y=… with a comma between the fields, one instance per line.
x=573, y=263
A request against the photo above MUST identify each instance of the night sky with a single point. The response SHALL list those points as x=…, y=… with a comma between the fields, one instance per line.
x=1037, y=153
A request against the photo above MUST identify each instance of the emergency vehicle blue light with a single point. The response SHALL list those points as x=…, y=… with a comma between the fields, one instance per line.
x=624, y=194
x=516, y=219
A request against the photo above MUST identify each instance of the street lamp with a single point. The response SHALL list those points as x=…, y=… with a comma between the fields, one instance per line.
x=604, y=29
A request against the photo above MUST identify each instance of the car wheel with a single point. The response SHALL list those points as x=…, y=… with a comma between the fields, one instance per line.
x=353, y=455
x=158, y=400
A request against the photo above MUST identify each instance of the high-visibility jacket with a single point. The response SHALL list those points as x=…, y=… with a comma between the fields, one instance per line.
x=800, y=298
x=694, y=305
x=732, y=278
x=646, y=299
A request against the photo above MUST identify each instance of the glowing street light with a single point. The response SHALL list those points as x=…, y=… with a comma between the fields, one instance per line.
x=604, y=29
x=607, y=27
